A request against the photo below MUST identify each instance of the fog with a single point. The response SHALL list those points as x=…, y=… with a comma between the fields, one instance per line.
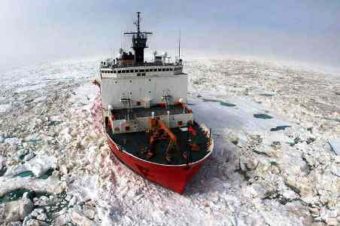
x=35, y=31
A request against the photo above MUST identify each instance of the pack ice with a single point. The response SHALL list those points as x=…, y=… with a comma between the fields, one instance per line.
x=275, y=160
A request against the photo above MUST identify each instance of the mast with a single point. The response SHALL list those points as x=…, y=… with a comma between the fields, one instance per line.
x=139, y=39
x=138, y=22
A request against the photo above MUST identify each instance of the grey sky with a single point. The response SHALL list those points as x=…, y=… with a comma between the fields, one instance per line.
x=33, y=31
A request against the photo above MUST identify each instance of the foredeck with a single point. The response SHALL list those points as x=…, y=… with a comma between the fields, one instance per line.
x=137, y=144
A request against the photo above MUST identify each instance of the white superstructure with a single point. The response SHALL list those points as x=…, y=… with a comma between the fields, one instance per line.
x=133, y=91
x=143, y=86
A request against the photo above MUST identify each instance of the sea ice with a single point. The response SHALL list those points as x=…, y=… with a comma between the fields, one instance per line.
x=50, y=185
x=38, y=165
x=4, y=107
x=240, y=117
x=335, y=145
x=41, y=164
x=13, y=140
x=2, y=162
x=258, y=174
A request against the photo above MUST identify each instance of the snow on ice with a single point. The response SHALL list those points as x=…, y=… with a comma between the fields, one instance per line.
x=272, y=163
x=335, y=144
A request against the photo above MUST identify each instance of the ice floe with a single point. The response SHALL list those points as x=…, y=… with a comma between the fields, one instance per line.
x=38, y=165
x=335, y=144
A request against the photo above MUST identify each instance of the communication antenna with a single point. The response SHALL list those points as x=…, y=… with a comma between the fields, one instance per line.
x=121, y=38
x=179, y=45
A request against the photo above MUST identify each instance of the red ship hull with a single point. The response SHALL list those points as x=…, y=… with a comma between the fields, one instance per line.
x=173, y=177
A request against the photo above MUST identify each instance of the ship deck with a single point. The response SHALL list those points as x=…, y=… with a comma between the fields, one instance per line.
x=146, y=112
x=134, y=65
x=137, y=144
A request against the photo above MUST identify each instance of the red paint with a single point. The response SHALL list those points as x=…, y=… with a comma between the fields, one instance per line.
x=172, y=177
x=192, y=131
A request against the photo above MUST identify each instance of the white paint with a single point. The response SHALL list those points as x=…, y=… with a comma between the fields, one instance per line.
x=142, y=123
x=143, y=89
